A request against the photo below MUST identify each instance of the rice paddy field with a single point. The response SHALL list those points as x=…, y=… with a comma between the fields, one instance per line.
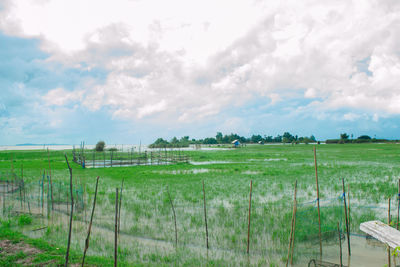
x=371, y=174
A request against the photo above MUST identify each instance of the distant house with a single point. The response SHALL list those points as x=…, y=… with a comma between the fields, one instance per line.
x=235, y=143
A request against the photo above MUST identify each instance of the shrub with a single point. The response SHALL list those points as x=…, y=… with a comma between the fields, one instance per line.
x=24, y=219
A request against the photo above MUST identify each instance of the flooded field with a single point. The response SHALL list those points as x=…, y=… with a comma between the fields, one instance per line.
x=147, y=231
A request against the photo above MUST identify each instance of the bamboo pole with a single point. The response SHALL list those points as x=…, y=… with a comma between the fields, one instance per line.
x=48, y=196
x=90, y=223
x=39, y=193
x=173, y=210
x=20, y=192
x=72, y=211
x=291, y=240
x=44, y=173
x=340, y=246
x=22, y=185
x=119, y=207
x=4, y=197
x=294, y=225
x=116, y=229
x=398, y=207
x=346, y=218
x=205, y=214
x=319, y=213
x=51, y=182
x=84, y=198
x=348, y=206
x=388, y=247
x=248, y=225
x=12, y=163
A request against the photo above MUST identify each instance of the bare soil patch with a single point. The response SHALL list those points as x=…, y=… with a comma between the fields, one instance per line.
x=9, y=247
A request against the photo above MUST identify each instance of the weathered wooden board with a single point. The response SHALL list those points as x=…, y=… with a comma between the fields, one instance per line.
x=382, y=232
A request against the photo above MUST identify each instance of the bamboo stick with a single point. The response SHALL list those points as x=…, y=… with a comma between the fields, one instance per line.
x=4, y=197
x=294, y=225
x=20, y=192
x=72, y=211
x=90, y=223
x=51, y=182
x=348, y=206
x=340, y=246
x=173, y=210
x=22, y=185
x=205, y=214
x=47, y=196
x=398, y=207
x=388, y=247
x=291, y=240
x=248, y=225
x=347, y=221
x=319, y=213
x=44, y=173
x=116, y=229
x=119, y=207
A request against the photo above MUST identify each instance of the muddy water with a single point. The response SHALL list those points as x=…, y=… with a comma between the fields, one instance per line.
x=364, y=253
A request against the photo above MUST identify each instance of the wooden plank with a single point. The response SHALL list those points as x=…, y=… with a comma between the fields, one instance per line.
x=383, y=232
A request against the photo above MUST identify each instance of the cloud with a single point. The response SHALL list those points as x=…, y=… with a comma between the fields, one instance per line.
x=61, y=97
x=186, y=62
x=172, y=57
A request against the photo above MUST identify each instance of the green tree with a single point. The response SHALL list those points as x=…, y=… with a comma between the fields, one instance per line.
x=256, y=138
x=344, y=136
x=218, y=137
x=365, y=137
x=100, y=146
x=174, y=141
x=287, y=138
x=210, y=140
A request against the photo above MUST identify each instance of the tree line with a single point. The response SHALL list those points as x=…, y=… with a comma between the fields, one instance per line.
x=185, y=141
x=345, y=139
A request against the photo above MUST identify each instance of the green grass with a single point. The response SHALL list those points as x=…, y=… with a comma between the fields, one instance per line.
x=147, y=230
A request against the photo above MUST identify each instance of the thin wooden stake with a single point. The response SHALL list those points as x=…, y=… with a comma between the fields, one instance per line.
x=294, y=225
x=388, y=247
x=20, y=186
x=291, y=240
x=4, y=197
x=347, y=221
x=90, y=223
x=173, y=210
x=348, y=207
x=398, y=207
x=116, y=229
x=248, y=225
x=72, y=211
x=205, y=214
x=319, y=213
x=51, y=182
x=340, y=245
x=20, y=192
x=119, y=207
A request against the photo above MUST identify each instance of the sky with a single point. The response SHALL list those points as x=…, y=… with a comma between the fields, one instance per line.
x=130, y=71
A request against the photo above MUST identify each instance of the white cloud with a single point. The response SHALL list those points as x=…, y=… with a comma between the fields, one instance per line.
x=188, y=60
x=351, y=116
x=61, y=97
